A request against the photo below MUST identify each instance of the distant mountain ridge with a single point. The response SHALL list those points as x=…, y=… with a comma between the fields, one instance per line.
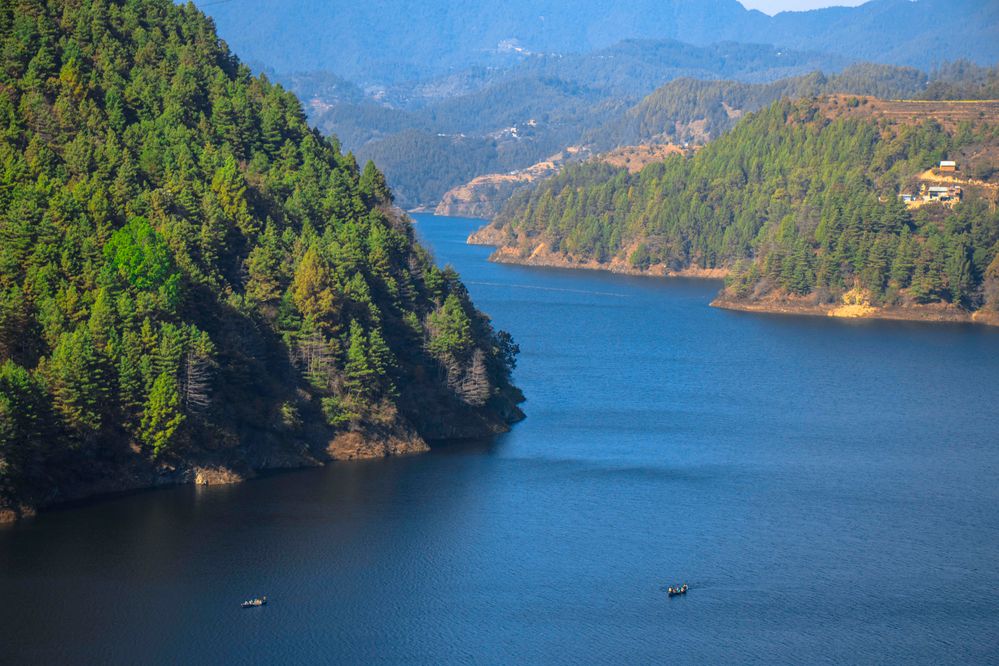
x=424, y=163
x=397, y=40
x=518, y=116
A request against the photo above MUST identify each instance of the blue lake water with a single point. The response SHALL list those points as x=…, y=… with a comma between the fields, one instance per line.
x=828, y=489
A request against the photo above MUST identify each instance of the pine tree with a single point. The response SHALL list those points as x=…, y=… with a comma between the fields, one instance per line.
x=373, y=187
x=904, y=264
x=24, y=417
x=316, y=356
x=360, y=375
x=102, y=319
x=450, y=330
x=169, y=353
x=229, y=188
x=958, y=273
x=313, y=289
x=161, y=416
x=475, y=385
x=76, y=376
x=197, y=372
x=383, y=361
x=265, y=267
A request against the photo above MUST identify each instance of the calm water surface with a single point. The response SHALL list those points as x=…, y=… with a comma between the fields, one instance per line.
x=829, y=490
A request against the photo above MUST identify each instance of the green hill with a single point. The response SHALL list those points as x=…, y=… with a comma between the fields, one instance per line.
x=800, y=200
x=698, y=110
x=195, y=284
x=589, y=100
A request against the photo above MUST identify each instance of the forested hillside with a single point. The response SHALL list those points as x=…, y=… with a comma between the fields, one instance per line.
x=800, y=199
x=694, y=111
x=698, y=110
x=589, y=100
x=440, y=90
x=430, y=136
x=194, y=283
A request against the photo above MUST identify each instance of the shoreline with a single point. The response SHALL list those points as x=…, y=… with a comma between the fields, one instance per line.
x=924, y=314
x=137, y=476
x=195, y=476
x=130, y=476
x=542, y=258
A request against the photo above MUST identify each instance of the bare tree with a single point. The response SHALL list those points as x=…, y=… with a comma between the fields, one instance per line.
x=317, y=359
x=196, y=386
x=474, y=386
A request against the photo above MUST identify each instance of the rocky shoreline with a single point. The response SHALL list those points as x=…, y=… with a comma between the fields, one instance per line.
x=135, y=473
x=540, y=256
x=933, y=312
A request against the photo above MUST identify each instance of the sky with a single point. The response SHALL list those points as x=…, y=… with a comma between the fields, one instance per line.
x=774, y=6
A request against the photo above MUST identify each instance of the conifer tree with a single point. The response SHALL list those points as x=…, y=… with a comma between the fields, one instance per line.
x=313, y=288
x=373, y=187
x=76, y=376
x=360, y=373
x=161, y=416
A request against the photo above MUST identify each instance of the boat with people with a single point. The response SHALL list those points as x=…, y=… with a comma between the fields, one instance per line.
x=675, y=591
x=254, y=603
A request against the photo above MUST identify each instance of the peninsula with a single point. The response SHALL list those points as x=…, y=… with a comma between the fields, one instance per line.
x=837, y=205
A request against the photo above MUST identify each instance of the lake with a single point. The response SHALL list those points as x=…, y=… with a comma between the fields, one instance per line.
x=829, y=490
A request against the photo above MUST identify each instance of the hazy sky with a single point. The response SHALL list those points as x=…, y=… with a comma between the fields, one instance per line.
x=774, y=6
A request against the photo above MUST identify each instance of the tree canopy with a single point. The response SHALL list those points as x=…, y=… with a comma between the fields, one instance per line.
x=184, y=262
x=799, y=198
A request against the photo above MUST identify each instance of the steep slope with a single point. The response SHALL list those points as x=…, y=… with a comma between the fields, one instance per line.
x=800, y=203
x=484, y=196
x=193, y=283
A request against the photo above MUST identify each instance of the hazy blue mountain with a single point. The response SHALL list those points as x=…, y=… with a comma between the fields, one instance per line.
x=920, y=33
x=429, y=136
x=396, y=40
x=391, y=40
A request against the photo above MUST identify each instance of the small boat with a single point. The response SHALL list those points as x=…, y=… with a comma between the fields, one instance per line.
x=676, y=591
x=254, y=603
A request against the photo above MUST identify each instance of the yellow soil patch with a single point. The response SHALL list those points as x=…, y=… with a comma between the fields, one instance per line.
x=636, y=158
x=856, y=303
